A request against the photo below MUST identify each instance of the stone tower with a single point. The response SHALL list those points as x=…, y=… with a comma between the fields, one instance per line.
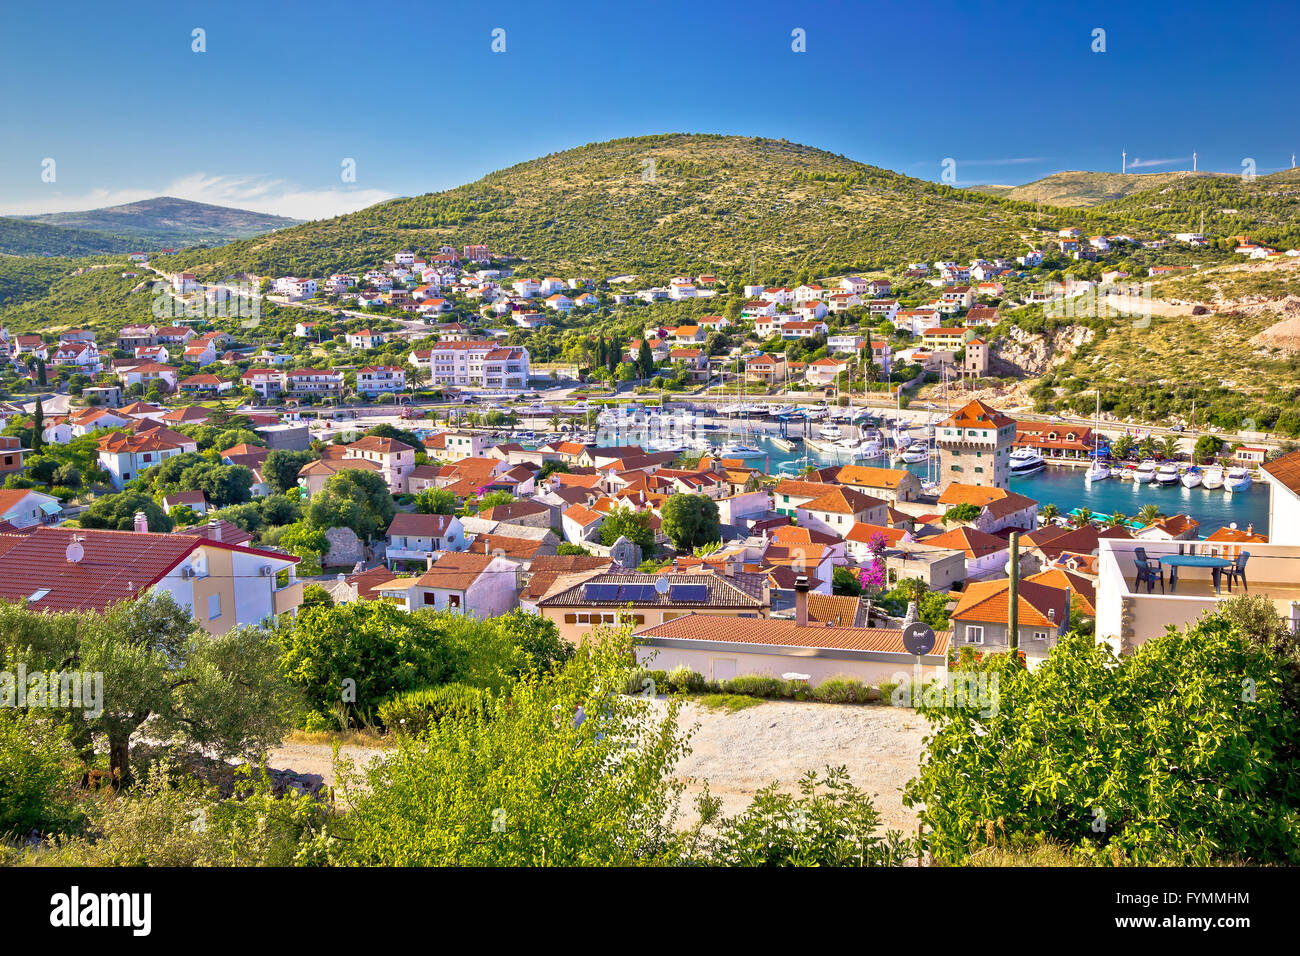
x=975, y=446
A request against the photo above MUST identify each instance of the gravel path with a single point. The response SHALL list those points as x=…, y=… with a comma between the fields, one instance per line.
x=778, y=741
x=740, y=753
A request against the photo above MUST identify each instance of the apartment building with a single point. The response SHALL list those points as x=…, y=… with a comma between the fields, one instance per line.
x=378, y=379
x=314, y=382
x=482, y=364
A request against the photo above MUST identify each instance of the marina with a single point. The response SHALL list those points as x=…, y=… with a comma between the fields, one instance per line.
x=1065, y=486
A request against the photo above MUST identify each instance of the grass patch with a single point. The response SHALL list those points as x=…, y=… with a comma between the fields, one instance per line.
x=353, y=738
x=728, y=702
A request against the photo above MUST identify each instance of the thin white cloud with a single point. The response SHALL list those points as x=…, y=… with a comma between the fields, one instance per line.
x=273, y=196
x=1139, y=163
x=1012, y=161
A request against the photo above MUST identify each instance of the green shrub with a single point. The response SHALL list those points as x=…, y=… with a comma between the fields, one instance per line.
x=842, y=690
x=886, y=690
x=755, y=685
x=414, y=711
x=37, y=775
x=681, y=679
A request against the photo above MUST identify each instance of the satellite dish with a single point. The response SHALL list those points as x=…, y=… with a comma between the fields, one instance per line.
x=918, y=638
x=791, y=675
x=661, y=585
x=75, y=552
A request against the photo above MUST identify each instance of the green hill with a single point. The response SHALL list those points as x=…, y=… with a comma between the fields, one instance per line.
x=1081, y=189
x=1266, y=208
x=660, y=205
x=167, y=221
x=19, y=237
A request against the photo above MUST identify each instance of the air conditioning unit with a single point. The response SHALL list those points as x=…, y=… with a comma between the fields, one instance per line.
x=265, y=570
x=187, y=572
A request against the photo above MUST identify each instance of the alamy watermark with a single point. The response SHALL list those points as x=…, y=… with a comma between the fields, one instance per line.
x=962, y=690
x=1073, y=299
x=230, y=300
x=80, y=690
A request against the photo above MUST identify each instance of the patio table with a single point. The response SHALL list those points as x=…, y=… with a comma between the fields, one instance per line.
x=1176, y=561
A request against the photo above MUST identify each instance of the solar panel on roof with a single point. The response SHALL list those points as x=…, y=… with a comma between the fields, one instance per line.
x=636, y=592
x=601, y=592
x=689, y=592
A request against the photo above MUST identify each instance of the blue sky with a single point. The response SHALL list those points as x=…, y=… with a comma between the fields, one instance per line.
x=285, y=92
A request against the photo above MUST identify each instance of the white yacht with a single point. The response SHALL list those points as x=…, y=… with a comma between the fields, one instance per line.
x=1192, y=477
x=1026, y=461
x=914, y=455
x=735, y=449
x=860, y=448
x=1212, y=477
x=1167, y=473
x=1145, y=472
x=1237, y=479
x=829, y=432
x=1116, y=471
x=1097, y=471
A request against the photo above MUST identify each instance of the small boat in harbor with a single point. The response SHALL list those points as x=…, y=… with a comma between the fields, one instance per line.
x=1191, y=477
x=1167, y=473
x=1117, y=471
x=1212, y=477
x=829, y=432
x=1097, y=472
x=1026, y=461
x=735, y=449
x=1237, y=479
x=1145, y=473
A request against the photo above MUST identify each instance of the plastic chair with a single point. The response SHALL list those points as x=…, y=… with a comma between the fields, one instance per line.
x=1237, y=570
x=1148, y=570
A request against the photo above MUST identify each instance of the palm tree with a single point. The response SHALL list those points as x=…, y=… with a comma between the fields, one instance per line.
x=416, y=376
x=1117, y=520
x=1147, y=447
x=1049, y=513
x=1083, y=518
x=1122, y=447
x=1169, y=447
x=1149, y=514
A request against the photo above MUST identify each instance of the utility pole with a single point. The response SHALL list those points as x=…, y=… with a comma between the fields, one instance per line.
x=1013, y=596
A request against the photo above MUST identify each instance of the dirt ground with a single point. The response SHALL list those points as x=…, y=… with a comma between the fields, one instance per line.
x=739, y=753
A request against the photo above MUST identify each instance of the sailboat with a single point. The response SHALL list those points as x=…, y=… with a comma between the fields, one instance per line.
x=1096, y=471
x=1192, y=477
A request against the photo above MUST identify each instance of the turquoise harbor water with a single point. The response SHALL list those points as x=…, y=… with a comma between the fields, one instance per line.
x=1066, y=488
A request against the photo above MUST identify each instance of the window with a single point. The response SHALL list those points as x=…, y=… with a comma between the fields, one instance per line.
x=974, y=634
x=1040, y=635
x=214, y=606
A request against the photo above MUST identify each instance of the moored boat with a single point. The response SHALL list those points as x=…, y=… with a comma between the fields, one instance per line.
x=1191, y=477
x=1026, y=461
x=1167, y=473
x=1212, y=477
x=1145, y=472
x=1237, y=479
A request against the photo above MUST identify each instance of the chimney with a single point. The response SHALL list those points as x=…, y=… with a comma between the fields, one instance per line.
x=729, y=569
x=801, y=600
x=214, y=530
x=141, y=522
